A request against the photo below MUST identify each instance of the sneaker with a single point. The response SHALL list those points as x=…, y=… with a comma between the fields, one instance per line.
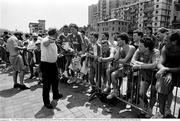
x=71, y=80
x=92, y=91
x=157, y=115
x=107, y=90
x=112, y=94
x=65, y=73
x=23, y=87
x=167, y=111
x=149, y=110
x=58, y=97
x=48, y=106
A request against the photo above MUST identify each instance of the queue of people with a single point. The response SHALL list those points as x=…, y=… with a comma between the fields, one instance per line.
x=74, y=56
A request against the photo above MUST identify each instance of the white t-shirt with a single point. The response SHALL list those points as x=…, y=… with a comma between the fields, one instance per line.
x=48, y=54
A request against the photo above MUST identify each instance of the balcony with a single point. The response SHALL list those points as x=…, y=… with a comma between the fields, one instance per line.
x=177, y=5
x=148, y=9
x=176, y=24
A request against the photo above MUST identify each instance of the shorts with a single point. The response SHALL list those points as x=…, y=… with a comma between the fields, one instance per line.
x=17, y=63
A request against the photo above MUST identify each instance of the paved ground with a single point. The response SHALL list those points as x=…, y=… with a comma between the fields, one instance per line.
x=74, y=104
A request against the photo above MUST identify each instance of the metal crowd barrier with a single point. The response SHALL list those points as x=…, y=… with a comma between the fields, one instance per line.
x=131, y=96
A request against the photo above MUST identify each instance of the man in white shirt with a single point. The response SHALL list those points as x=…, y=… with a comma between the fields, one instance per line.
x=48, y=67
x=31, y=47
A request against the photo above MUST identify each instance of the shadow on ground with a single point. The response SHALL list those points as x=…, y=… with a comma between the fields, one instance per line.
x=44, y=113
x=9, y=92
x=77, y=96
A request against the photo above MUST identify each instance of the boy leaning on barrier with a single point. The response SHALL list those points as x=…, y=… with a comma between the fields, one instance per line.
x=123, y=55
x=169, y=70
x=145, y=59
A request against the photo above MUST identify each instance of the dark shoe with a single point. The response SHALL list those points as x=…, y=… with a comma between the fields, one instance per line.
x=16, y=85
x=23, y=87
x=92, y=91
x=40, y=82
x=48, y=106
x=58, y=97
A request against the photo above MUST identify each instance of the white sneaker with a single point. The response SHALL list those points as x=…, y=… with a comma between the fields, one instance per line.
x=65, y=74
x=112, y=94
x=157, y=115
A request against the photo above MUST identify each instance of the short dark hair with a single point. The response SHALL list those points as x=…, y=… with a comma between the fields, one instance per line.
x=106, y=35
x=83, y=32
x=65, y=26
x=96, y=35
x=163, y=30
x=52, y=31
x=73, y=25
x=140, y=33
x=150, y=28
x=175, y=37
x=148, y=42
x=27, y=36
x=124, y=36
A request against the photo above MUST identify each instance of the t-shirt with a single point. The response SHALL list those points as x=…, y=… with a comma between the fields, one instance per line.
x=49, y=53
x=12, y=42
x=76, y=41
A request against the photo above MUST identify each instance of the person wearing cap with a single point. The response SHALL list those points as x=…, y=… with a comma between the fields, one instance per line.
x=31, y=47
x=13, y=47
x=48, y=67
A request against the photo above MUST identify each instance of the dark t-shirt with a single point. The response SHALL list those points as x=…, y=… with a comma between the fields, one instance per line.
x=76, y=41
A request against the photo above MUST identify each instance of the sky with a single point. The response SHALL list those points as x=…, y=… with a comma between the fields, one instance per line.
x=16, y=14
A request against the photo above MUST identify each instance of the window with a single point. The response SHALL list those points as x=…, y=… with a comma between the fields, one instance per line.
x=156, y=12
x=155, y=24
x=113, y=22
x=139, y=25
x=156, y=18
x=157, y=0
x=97, y=24
x=113, y=29
x=157, y=6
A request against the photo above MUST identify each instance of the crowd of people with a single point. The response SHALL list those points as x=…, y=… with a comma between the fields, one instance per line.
x=73, y=56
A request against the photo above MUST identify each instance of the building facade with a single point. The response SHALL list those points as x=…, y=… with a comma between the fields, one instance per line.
x=142, y=13
x=112, y=26
x=93, y=16
x=175, y=15
x=37, y=27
